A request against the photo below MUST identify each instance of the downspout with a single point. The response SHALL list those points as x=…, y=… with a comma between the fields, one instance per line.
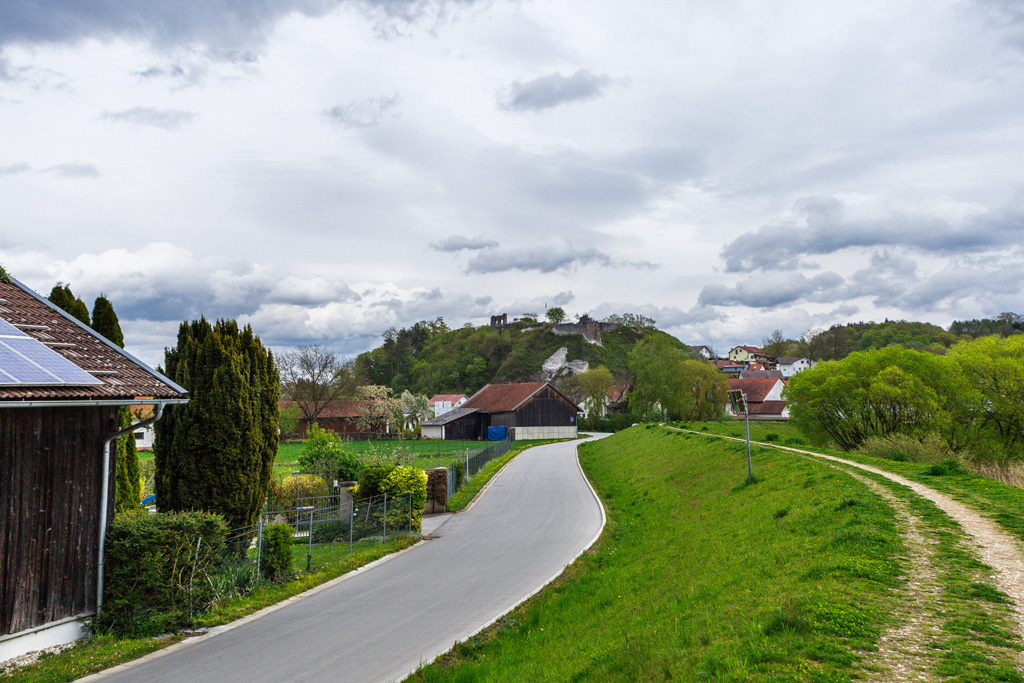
x=108, y=445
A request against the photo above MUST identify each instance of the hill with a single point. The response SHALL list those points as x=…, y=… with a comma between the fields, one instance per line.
x=429, y=358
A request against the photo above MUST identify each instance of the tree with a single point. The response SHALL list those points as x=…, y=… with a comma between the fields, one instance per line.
x=216, y=453
x=416, y=406
x=378, y=409
x=652, y=362
x=703, y=391
x=556, y=315
x=127, y=487
x=62, y=297
x=873, y=393
x=774, y=344
x=313, y=376
x=594, y=385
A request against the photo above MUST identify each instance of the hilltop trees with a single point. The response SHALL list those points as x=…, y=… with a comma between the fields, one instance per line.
x=128, y=488
x=216, y=452
x=672, y=384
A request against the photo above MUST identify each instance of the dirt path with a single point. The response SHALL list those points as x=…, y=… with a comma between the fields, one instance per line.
x=995, y=547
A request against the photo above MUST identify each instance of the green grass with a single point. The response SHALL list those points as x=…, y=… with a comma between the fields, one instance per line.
x=698, y=577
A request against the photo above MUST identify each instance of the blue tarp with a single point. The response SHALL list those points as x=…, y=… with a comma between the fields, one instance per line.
x=497, y=433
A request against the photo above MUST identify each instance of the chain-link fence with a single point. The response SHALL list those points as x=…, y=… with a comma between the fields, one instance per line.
x=469, y=463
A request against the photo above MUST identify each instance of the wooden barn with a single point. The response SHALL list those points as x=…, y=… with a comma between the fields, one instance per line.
x=60, y=388
x=530, y=411
x=341, y=417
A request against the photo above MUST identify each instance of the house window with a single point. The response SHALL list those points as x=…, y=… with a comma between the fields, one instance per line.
x=140, y=435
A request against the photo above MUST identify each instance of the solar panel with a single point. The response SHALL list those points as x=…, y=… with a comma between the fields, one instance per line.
x=25, y=361
x=9, y=330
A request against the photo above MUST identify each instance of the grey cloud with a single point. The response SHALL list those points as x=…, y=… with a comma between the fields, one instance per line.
x=14, y=169
x=74, y=171
x=458, y=243
x=550, y=91
x=772, y=289
x=363, y=113
x=824, y=225
x=537, y=304
x=545, y=258
x=167, y=119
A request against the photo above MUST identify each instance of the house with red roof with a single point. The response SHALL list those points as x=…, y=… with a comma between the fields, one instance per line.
x=61, y=386
x=534, y=410
x=747, y=354
x=764, y=398
x=442, y=403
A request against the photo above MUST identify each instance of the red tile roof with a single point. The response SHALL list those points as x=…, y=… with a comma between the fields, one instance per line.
x=446, y=397
x=756, y=389
x=123, y=377
x=767, y=408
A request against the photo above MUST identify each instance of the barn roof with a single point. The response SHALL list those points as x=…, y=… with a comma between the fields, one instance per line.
x=122, y=377
x=504, y=398
x=445, y=397
x=451, y=416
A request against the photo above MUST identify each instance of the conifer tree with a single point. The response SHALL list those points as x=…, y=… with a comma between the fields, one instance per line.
x=216, y=453
x=62, y=297
x=128, y=488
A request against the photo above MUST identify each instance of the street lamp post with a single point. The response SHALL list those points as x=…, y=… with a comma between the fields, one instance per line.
x=738, y=399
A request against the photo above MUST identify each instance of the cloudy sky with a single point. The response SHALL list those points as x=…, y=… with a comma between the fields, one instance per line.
x=326, y=169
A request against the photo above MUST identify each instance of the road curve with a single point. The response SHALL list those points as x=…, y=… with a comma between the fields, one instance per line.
x=379, y=625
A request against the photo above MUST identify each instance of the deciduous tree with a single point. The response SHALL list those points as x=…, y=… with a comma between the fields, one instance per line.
x=313, y=376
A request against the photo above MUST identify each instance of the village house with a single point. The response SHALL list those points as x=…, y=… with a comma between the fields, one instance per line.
x=764, y=398
x=791, y=366
x=747, y=354
x=442, y=403
x=340, y=417
x=61, y=386
x=533, y=410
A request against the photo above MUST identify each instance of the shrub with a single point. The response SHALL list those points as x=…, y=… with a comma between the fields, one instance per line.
x=285, y=492
x=951, y=467
x=150, y=560
x=330, y=532
x=276, y=554
x=412, y=482
x=323, y=455
x=771, y=437
x=371, y=478
x=930, y=448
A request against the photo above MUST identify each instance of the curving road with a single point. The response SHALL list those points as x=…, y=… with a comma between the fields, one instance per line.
x=382, y=623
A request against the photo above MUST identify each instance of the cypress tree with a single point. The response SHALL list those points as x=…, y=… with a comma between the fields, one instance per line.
x=62, y=297
x=216, y=453
x=128, y=487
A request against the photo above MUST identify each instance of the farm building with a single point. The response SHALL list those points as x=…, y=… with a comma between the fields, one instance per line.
x=530, y=411
x=764, y=398
x=341, y=417
x=60, y=388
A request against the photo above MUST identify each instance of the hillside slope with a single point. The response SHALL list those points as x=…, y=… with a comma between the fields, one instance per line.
x=427, y=360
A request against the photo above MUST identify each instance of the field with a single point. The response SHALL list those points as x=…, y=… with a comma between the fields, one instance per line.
x=700, y=576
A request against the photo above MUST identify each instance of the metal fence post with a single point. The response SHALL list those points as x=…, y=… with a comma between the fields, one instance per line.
x=410, y=513
x=385, y=536
x=309, y=548
x=351, y=523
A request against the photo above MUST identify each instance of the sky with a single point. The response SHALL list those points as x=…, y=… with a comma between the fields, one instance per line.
x=324, y=170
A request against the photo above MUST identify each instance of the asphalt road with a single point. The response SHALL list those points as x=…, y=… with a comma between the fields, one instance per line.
x=381, y=624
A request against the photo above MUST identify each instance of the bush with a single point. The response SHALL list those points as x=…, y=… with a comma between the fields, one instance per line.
x=331, y=532
x=149, y=564
x=323, y=455
x=412, y=482
x=950, y=467
x=930, y=448
x=276, y=554
x=285, y=492
x=371, y=478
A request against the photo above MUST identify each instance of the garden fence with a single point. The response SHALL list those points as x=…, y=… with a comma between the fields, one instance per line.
x=470, y=463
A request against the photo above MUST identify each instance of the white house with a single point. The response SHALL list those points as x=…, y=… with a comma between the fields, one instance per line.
x=442, y=403
x=764, y=398
x=791, y=366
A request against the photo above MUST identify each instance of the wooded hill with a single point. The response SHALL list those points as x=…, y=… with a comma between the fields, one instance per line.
x=429, y=358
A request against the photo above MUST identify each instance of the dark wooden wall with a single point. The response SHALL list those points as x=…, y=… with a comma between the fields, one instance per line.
x=466, y=428
x=546, y=409
x=50, y=479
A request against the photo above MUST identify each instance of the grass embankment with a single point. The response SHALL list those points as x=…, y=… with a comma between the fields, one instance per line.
x=701, y=577
x=974, y=636
x=1002, y=503
x=103, y=652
